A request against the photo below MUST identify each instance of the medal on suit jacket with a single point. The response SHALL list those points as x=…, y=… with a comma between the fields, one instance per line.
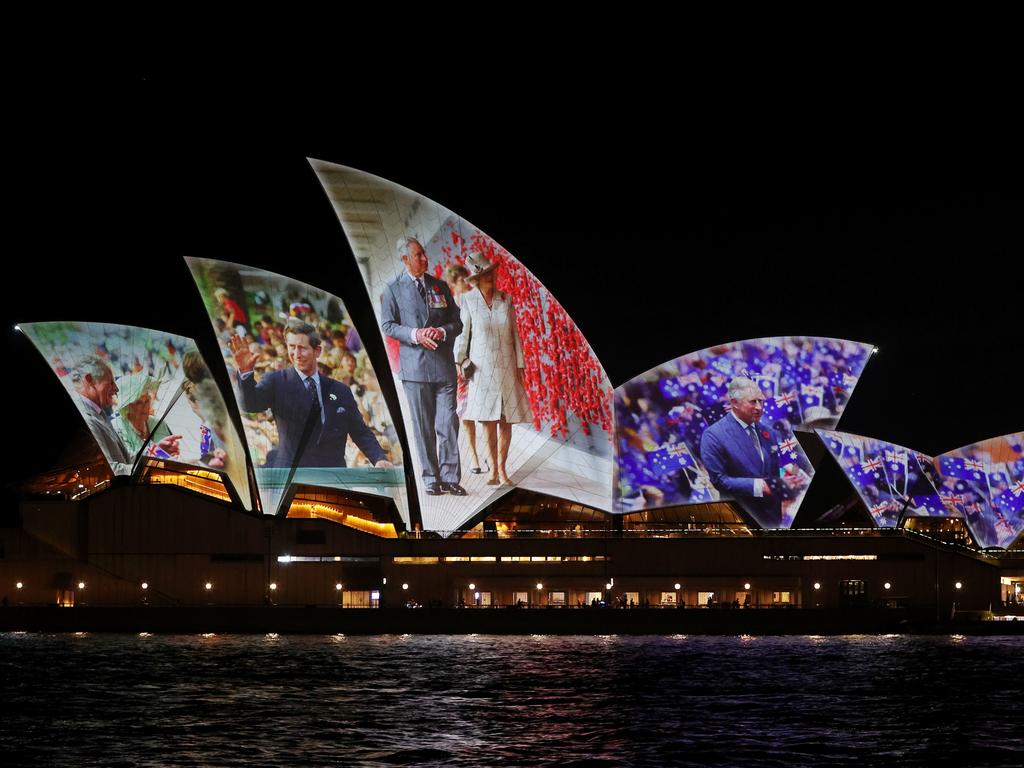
x=436, y=299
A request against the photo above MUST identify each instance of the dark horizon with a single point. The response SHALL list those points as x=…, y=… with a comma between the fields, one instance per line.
x=655, y=248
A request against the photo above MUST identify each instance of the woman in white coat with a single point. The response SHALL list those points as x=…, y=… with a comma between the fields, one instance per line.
x=490, y=356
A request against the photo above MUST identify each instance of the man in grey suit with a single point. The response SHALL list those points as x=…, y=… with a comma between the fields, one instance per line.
x=96, y=393
x=418, y=310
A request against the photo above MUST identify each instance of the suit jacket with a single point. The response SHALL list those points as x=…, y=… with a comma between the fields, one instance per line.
x=109, y=441
x=733, y=463
x=403, y=310
x=284, y=393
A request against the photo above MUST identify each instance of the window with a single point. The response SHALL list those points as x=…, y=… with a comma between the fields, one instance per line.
x=521, y=598
x=705, y=598
x=668, y=598
x=557, y=598
x=485, y=600
x=354, y=598
x=781, y=598
x=632, y=598
x=851, y=588
x=592, y=596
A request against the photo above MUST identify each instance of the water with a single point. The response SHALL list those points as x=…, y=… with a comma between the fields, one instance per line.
x=129, y=700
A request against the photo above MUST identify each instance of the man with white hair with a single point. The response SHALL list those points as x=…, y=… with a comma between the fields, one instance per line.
x=95, y=395
x=742, y=455
x=419, y=312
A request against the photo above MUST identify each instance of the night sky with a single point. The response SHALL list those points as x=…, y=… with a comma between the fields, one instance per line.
x=659, y=237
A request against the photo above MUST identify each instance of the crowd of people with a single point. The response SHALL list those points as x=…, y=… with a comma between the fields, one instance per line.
x=257, y=326
x=662, y=416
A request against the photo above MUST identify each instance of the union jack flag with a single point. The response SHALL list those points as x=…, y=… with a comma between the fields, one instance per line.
x=973, y=464
x=871, y=466
x=896, y=457
x=786, y=398
x=952, y=499
x=788, y=445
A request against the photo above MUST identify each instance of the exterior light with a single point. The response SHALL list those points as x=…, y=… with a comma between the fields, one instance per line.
x=338, y=586
x=145, y=585
x=273, y=586
x=405, y=586
x=539, y=585
x=608, y=585
x=959, y=585
x=476, y=595
x=678, y=585
x=817, y=585
x=19, y=585
x=81, y=585
x=208, y=586
x=384, y=581
x=472, y=587
x=874, y=350
x=746, y=585
x=887, y=585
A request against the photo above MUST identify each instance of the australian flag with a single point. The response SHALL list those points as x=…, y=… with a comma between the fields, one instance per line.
x=835, y=445
x=205, y=440
x=671, y=388
x=965, y=469
x=714, y=389
x=870, y=467
x=1012, y=499
x=723, y=365
x=788, y=450
x=811, y=395
x=701, y=494
x=852, y=452
x=928, y=505
x=783, y=406
x=670, y=458
x=767, y=385
x=998, y=479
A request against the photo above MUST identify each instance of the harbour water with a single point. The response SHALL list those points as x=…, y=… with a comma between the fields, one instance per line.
x=266, y=700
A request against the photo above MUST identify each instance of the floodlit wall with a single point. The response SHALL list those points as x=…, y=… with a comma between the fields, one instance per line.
x=984, y=482
x=478, y=342
x=678, y=443
x=144, y=393
x=335, y=431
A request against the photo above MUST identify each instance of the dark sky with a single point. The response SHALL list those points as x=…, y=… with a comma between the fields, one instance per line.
x=661, y=231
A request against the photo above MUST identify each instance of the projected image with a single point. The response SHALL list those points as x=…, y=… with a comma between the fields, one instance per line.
x=498, y=386
x=985, y=483
x=311, y=405
x=719, y=424
x=891, y=480
x=144, y=393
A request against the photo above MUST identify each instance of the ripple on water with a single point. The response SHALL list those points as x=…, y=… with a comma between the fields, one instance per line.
x=535, y=700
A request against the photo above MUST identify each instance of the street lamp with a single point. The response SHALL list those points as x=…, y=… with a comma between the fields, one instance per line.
x=959, y=585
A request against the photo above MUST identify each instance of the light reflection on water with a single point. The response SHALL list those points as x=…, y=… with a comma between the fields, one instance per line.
x=536, y=700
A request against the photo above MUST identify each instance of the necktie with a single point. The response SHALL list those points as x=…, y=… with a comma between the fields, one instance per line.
x=422, y=289
x=757, y=445
x=314, y=397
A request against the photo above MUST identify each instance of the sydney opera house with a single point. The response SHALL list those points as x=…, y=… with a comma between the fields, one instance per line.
x=512, y=473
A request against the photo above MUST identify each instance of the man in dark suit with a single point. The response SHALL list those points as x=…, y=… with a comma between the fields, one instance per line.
x=314, y=415
x=418, y=310
x=742, y=455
